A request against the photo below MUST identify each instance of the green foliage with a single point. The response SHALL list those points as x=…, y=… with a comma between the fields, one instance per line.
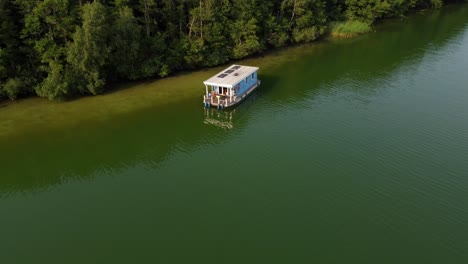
x=277, y=33
x=16, y=75
x=89, y=51
x=245, y=30
x=126, y=45
x=62, y=48
x=306, y=19
x=48, y=27
x=55, y=85
x=152, y=57
x=12, y=88
x=245, y=39
x=368, y=10
x=349, y=28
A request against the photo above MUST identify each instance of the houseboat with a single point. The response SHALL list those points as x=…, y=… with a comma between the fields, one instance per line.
x=231, y=86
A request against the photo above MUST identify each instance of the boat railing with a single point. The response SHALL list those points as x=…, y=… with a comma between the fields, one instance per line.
x=221, y=99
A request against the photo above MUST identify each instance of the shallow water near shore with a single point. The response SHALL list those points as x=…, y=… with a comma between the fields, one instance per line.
x=352, y=151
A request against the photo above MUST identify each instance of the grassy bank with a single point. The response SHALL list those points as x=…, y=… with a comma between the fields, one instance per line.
x=349, y=29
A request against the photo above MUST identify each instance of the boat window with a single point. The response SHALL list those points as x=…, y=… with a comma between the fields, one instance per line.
x=246, y=79
x=253, y=74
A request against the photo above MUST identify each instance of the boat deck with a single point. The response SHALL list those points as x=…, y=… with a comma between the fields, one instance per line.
x=226, y=101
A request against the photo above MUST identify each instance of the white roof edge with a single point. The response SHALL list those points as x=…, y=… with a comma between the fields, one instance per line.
x=248, y=70
x=218, y=84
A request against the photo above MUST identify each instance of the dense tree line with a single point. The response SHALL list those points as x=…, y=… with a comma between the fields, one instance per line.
x=63, y=48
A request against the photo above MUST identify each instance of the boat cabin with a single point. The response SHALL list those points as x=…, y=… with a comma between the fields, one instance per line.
x=230, y=86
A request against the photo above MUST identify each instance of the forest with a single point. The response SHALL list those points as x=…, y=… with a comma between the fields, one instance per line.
x=61, y=49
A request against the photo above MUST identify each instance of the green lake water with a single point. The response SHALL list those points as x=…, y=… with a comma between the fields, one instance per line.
x=352, y=151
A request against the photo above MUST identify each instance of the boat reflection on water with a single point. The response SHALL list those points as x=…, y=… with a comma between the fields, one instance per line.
x=222, y=119
x=236, y=116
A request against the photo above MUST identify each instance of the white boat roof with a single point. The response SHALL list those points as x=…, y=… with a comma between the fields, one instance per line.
x=231, y=76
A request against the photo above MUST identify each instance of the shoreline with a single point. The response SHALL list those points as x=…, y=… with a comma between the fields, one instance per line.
x=330, y=33
x=182, y=89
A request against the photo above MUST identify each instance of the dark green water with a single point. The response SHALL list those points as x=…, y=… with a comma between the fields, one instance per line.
x=353, y=151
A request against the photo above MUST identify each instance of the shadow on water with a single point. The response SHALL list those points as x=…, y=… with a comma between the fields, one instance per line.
x=32, y=164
